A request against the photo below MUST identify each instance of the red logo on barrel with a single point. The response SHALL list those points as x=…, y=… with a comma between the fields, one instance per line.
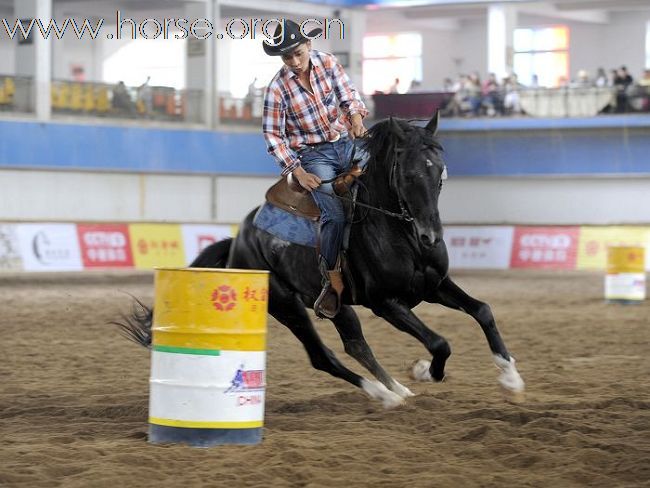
x=224, y=298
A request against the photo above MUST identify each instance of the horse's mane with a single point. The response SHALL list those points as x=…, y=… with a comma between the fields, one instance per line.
x=381, y=137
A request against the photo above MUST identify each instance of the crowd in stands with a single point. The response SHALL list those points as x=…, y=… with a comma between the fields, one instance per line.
x=472, y=96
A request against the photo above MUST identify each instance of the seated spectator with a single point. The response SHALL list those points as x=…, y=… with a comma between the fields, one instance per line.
x=459, y=103
x=583, y=80
x=601, y=78
x=474, y=91
x=492, y=96
x=534, y=81
x=511, y=100
x=645, y=81
x=416, y=87
x=122, y=101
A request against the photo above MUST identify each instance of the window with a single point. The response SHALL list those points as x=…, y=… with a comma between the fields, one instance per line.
x=390, y=57
x=258, y=66
x=161, y=59
x=542, y=52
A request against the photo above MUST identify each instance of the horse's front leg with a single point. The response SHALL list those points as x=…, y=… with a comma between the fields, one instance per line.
x=451, y=295
x=349, y=328
x=401, y=316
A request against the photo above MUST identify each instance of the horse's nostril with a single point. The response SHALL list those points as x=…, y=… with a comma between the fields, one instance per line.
x=425, y=239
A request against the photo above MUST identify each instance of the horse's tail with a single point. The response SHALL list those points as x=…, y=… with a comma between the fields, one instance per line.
x=136, y=326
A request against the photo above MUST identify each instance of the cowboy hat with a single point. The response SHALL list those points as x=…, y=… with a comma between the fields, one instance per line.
x=288, y=36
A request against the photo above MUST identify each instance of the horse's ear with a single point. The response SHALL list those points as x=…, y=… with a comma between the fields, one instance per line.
x=397, y=130
x=432, y=126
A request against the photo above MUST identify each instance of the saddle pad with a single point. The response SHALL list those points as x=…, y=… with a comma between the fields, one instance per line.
x=286, y=226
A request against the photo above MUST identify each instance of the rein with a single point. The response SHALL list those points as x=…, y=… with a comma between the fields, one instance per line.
x=404, y=215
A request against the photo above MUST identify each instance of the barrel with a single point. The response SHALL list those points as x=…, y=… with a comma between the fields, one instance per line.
x=208, y=357
x=625, y=280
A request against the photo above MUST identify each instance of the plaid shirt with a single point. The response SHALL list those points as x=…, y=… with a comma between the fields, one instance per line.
x=293, y=117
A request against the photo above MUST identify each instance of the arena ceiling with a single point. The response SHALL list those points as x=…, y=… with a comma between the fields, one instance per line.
x=593, y=10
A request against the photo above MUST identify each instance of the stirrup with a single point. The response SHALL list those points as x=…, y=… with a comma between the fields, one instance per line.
x=328, y=303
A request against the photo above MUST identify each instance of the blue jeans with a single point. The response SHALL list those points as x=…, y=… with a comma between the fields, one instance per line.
x=326, y=161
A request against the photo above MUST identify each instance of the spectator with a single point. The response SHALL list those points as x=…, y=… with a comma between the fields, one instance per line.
x=511, y=101
x=645, y=81
x=601, y=78
x=394, y=86
x=474, y=92
x=583, y=80
x=534, y=81
x=122, y=101
x=145, y=96
x=622, y=84
x=416, y=87
x=460, y=104
x=492, y=96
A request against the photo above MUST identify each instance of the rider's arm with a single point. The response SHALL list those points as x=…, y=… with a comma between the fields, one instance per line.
x=349, y=99
x=273, y=120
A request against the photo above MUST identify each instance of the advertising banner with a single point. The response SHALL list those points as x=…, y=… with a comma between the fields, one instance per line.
x=9, y=249
x=545, y=247
x=105, y=245
x=156, y=245
x=49, y=247
x=592, y=249
x=486, y=247
x=197, y=237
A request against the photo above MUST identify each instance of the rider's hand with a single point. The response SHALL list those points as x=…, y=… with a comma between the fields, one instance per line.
x=357, y=130
x=308, y=181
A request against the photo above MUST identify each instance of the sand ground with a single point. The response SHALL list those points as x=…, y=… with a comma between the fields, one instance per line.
x=74, y=393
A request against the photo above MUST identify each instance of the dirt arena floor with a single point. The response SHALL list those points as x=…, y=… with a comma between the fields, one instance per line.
x=74, y=393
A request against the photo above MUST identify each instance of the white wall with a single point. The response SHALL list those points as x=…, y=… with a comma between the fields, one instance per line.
x=117, y=197
x=28, y=195
x=470, y=47
x=550, y=200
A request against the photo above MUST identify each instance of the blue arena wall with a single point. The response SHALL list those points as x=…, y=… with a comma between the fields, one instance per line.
x=473, y=147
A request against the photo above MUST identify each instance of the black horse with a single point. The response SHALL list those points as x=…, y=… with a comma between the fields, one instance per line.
x=397, y=257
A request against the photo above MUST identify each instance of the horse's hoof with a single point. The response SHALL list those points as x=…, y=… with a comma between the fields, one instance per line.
x=420, y=370
x=509, y=379
x=376, y=390
x=401, y=390
x=511, y=396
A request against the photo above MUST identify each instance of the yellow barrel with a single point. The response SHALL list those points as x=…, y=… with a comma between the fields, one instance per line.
x=625, y=280
x=208, y=359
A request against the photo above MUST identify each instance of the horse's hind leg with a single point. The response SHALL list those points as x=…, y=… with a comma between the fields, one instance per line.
x=451, y=295
x=290, y=311
x=349, y=328
x=405, y=320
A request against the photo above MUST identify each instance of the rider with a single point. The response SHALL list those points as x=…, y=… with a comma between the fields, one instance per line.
x=311, y=113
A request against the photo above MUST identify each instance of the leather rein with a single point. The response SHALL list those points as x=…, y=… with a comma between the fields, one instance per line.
x=404, y=215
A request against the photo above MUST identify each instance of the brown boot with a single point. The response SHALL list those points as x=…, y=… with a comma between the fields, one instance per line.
x=328, y=303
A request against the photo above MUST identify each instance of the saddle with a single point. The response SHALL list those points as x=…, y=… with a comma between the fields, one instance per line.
x=290, y=196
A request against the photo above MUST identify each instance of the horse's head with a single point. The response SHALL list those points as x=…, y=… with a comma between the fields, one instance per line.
x=409, y=159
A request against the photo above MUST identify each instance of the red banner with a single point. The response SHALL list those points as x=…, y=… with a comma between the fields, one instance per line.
x=545, y=247
x=105, y=245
